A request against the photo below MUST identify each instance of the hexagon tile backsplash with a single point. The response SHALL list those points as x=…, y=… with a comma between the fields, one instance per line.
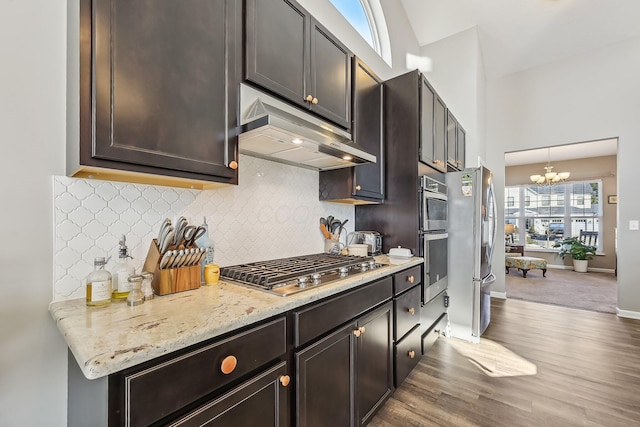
x=273, y=213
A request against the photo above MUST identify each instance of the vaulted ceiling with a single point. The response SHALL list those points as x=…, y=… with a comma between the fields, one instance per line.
x=515, y=35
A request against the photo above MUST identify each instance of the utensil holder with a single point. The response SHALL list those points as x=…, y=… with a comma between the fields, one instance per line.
x=170, y=280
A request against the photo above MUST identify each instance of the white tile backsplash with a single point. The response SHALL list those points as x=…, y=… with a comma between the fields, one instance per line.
x=273, y=213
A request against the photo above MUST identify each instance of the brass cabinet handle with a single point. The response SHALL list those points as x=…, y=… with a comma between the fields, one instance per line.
x=410, y=279
x=362, y=329
x=233, y=165
x=309, y=98
x=314, y=101
x=357, y=333
x=412, y=354
x=284, y=380
x=412, y=311
x=228, y=364
x=358, y=187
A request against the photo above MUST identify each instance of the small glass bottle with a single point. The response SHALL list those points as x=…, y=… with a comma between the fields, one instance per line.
x=205, y=242
x=99, y=284
x=147, y=288
x=121, y=272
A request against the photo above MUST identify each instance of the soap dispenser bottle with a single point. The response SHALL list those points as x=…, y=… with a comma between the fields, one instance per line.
x=205, y=242
x=121, y=271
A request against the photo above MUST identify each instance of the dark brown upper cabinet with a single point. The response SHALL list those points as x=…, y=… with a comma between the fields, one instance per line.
x=290, y=54
x=432, y=127
x=456, y=139
x=364, y=183
x=159, y=87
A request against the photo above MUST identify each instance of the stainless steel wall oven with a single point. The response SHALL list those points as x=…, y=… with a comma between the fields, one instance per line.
x=434, y=224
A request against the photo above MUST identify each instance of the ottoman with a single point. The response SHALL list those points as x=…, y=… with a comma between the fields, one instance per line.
x=526, y=263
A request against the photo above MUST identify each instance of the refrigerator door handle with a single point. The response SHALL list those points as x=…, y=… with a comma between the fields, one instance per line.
x=489, y=279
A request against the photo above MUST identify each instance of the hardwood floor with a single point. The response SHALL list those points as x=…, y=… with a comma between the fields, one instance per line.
x=536, y=365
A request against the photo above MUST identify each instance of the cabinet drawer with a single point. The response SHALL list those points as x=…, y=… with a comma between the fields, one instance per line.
x=432, y=311
x=406, y=279
x=430, y=337
x=149, y=398
x=320, y=318
x=407, y=355
x=406, y=312
x=258, y=401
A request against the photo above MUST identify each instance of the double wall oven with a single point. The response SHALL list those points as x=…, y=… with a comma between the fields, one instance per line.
x=434, y=225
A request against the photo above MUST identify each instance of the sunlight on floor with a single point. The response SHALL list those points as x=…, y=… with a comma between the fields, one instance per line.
x=493, y=359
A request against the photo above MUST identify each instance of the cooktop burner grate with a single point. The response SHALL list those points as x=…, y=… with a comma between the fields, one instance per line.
x=270, y=274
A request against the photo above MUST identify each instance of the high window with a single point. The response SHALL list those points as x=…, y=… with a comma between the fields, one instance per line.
x=544, y=214
x=367, y=18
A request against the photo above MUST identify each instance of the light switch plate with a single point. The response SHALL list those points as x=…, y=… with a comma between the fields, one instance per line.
x=634, y=224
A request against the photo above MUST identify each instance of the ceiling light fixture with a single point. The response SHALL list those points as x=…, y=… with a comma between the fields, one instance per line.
x=550, y=177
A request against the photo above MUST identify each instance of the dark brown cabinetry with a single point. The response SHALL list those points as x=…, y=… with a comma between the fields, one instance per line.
x=407, y=300
x=146, y=395
x=290, y=54
x=456, y=139
x=364, y=183
x=159, y=87
x=432, y=126
x=343, y=378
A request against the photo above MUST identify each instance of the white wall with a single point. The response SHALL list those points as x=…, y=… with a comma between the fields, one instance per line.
x=587, y=97
x=33, y=370
x=33, y=360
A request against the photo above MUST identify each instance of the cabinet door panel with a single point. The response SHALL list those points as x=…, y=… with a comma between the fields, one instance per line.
x=440, y=137
x=161, y=78
x=367, y=131
x=427, y=135
x=461, y=141
x=330, y=76
x=324, y=381
x=452, y=130
x=261, y=401
x=375, y=362
x=277, y=52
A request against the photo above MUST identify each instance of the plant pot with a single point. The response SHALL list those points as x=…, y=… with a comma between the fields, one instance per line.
x=580, y=265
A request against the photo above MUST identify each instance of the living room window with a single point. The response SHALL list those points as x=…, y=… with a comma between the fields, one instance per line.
x=544, y=214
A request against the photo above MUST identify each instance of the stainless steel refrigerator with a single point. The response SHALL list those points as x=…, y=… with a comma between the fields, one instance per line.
x=472, y=237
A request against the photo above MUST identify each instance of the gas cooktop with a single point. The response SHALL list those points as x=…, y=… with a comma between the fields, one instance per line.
x=288, y=276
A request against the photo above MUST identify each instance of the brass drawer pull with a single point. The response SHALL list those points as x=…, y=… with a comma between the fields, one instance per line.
x=412, y=354
x=309, y=98
x=412, y=311
x=284, y=380
x=314, y=101
x=233, y=165
x=362, y=329
x=410, y=279
x=358, y=188
x=357, y=333
x=228, y=364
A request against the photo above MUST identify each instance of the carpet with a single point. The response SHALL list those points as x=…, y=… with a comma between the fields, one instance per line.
x=588, y=291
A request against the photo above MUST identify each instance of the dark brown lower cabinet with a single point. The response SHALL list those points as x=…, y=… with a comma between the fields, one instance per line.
x=260, y=401
x=344, y=378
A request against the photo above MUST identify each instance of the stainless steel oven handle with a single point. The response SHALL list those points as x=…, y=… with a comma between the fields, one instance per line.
x=435, y=236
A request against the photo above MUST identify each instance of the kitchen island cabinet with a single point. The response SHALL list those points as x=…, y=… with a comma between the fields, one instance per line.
x=185, y=337
x=291, y=55
x=364, y=183
x=159, y=91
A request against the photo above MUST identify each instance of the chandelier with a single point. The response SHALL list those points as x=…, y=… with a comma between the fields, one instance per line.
x=550, y=177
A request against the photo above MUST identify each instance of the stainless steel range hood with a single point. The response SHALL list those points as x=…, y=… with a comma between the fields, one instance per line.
x=274, y=134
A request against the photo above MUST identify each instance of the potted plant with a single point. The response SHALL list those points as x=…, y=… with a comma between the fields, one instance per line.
x=577, y=250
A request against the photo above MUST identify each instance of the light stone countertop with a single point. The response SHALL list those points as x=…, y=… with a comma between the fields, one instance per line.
x=108, y=339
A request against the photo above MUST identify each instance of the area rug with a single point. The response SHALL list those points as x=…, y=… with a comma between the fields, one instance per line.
x=588, y=291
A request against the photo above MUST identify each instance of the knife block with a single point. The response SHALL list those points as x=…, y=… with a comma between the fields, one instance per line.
x=170, y=280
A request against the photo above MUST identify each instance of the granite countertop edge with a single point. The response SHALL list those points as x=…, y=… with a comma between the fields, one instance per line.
x=106, y=340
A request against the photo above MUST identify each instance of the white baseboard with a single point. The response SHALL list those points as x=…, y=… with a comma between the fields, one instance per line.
x=570, y=267
x=499, y=295
x=628, y=314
